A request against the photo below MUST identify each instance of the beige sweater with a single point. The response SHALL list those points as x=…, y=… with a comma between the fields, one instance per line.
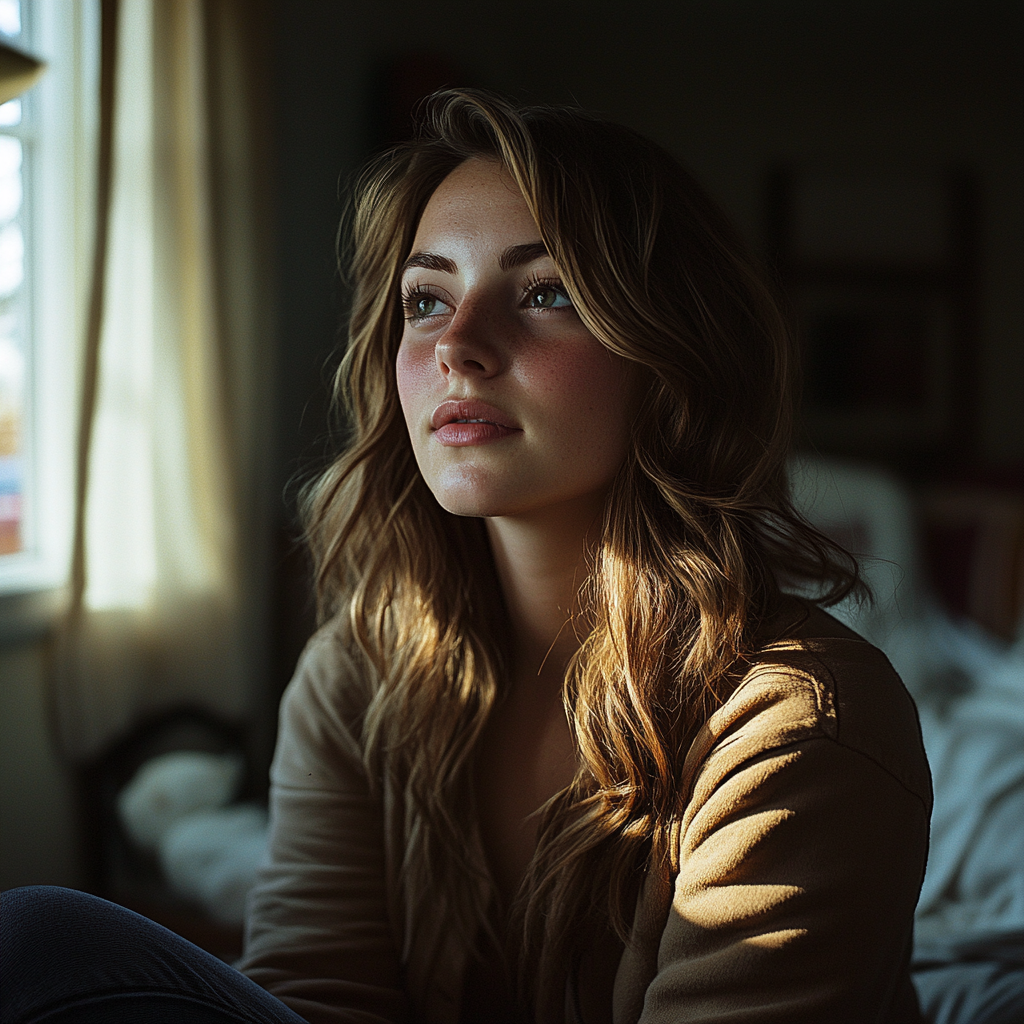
x=791, y=899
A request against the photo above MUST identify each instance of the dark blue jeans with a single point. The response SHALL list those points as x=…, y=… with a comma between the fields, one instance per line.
x=70, y=958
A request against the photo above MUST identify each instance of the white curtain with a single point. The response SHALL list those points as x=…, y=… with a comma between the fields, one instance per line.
x=167, y=604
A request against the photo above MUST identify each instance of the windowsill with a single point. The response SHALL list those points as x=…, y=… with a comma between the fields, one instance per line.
x=29, y=616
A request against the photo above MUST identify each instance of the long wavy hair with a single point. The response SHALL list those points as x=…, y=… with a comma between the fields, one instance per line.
x=698, y=535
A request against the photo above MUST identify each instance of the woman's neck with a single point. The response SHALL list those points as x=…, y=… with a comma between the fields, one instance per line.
x=541, y=561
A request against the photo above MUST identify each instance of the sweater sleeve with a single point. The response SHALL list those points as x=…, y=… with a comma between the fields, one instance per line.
x=318, y=934
x=794, y=899
x=800, y=859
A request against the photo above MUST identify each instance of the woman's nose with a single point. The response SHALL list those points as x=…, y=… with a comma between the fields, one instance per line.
x=471, y=346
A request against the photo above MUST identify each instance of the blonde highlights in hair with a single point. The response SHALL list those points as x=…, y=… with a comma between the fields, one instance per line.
x=697, y=538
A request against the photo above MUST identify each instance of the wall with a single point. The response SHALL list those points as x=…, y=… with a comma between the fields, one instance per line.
x=37, y=841
x=732, y=89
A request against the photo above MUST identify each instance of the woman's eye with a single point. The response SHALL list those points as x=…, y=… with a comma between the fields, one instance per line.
x=547, y=297
x=422, y=306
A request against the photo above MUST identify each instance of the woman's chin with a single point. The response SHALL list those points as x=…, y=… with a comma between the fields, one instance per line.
x=467, y=491
x=478, y=505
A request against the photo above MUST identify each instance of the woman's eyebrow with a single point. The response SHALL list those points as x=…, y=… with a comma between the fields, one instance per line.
x=514, y=256
x=431, y=261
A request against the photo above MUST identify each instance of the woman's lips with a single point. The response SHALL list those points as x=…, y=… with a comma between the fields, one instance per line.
x=457, y=435
x=469, y=422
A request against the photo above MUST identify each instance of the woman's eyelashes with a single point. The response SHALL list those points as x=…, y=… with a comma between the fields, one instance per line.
x=421, y=303
x=545, y=293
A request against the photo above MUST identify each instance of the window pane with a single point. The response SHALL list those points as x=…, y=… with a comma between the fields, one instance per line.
x=12, y=470
x=10, y=113
x=13, y=381
x=10, y=17
x=12, y=259
x=10, y=178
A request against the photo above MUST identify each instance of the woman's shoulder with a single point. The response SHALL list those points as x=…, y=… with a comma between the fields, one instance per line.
x=814, y=678
x=326, y=700
x=333, y=665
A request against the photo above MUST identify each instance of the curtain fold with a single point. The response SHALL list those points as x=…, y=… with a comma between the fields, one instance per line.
x=168, y=583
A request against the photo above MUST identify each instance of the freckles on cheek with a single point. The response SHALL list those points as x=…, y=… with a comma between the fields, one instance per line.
x=591, y=384
x=413, y=375
x=591, y=395
x=559, y=375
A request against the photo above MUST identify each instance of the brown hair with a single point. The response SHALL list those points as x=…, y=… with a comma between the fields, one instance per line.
x=698, y=533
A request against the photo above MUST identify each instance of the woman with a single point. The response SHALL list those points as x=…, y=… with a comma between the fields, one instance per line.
x=564, y=750
x=563, y=746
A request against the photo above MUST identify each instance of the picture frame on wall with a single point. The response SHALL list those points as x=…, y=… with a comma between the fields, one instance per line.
x=878, y=365
x=879, y=272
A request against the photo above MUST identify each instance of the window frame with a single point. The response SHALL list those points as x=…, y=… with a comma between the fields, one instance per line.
x=59, y=150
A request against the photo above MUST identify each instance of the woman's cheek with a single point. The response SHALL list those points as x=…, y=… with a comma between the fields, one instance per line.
x=415, y=372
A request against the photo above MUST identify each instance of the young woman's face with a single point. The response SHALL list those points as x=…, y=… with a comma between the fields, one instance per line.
x=512, y=405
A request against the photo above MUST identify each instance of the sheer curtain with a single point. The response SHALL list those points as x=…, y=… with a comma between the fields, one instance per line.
x=167, y=596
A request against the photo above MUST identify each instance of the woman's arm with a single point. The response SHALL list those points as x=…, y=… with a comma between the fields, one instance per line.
x=800, y=859
x=318, y=934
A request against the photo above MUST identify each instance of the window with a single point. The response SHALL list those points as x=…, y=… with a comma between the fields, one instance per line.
x=15, y=331
x=47, y=156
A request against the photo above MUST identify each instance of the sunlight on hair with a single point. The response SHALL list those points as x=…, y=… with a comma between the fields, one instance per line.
x=697, y=529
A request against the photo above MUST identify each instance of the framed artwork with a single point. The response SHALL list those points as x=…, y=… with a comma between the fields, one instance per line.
x=878, y=366
x=880, y=276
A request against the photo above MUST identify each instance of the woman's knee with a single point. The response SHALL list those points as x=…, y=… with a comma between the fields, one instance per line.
x=64, y=951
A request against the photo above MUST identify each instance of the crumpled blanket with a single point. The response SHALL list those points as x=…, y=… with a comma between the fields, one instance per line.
x=974, y=736
x=178, y=805
x=969, y=689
